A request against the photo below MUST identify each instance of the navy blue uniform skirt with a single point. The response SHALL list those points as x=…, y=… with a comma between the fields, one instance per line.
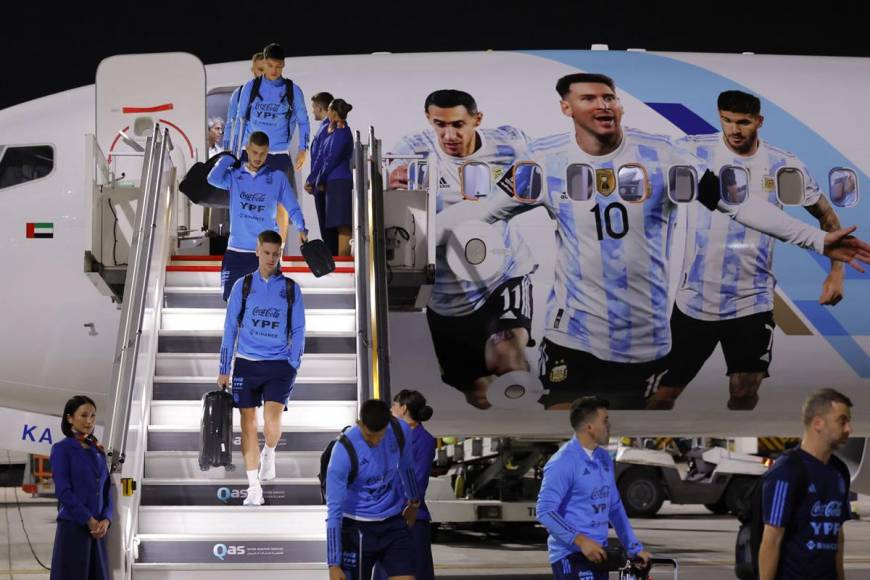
x=339, y=203
x=76, y=555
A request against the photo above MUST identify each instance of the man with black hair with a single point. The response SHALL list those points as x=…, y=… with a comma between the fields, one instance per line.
x=727, y=284
x=260, y=198
x=606, y=330
x=480, y=329
x=276, y=106
x=234, y=123
x=805, y=497
x=579, y=498
x=266, y=313
x=369, y=517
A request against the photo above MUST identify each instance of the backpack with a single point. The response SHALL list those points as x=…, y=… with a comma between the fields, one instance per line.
x=255, y=92
x=351, y=453
x=752, y=518
x=246, y=289
x=196, y=187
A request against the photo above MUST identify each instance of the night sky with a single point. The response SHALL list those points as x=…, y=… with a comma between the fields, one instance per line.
x=45, y=50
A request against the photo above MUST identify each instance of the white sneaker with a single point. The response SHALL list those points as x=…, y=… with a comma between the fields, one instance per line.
x=255, y=496
x=267, y=466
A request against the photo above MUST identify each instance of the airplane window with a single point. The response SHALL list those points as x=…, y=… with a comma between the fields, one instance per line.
x=682, y=184
x=790, y=186
x=527, y=181
x=843, y=187
x=22, y=164
x=475, y=180
x=633, y=183
x=733, y=184
x=581, y=182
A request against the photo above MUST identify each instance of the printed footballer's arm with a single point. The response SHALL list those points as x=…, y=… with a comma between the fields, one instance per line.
x=832, y=288
x=767, y=218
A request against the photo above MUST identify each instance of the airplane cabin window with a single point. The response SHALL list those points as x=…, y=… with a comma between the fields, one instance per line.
x=733, y=184
x=790, y=186
x=22, y=164
x=633, y=183
x=843, y=187
x=682, y=184
x=581, y=181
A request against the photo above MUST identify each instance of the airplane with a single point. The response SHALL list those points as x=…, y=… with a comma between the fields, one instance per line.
x=61, y=323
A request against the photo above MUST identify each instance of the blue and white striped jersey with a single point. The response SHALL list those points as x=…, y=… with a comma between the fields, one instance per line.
x=610, y=295
x=728, y=268
x=500, y=148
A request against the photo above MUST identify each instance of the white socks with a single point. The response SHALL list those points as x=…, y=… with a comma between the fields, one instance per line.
x=253, y=477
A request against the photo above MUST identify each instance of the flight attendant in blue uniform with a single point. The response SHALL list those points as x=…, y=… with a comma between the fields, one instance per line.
x=84, y=493
x=410, y=407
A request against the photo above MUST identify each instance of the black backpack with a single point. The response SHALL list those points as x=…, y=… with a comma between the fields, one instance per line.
x=197, y=188
x=752, y=518
x=255, y=93
x=351, y=453
x=246, y=289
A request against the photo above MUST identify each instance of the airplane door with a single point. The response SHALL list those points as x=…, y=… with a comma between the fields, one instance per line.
x=136, y=91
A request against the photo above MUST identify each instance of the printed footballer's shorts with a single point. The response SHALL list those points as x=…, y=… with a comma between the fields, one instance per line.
x=388, y=542
x=576, y=567
x=570, y=374
x=747, y=343
x=460, y=341
x=255, y=381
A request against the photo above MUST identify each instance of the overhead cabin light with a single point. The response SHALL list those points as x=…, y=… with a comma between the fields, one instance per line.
x=599, y=47
x=635, y=50
x=748, y=53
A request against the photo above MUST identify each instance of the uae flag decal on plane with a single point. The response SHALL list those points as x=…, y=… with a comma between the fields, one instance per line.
x=40, y=230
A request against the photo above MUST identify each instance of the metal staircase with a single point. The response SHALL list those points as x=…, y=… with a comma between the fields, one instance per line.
x=192, y=523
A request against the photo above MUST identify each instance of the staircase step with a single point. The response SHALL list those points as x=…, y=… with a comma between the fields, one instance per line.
x=193, y=388
x=212, y=297
x=299, y=414
x=209, y=341
x=332, y=320
x=295, y=522
x=203, y=492
x=265, y=553
x=339, y=368
x=185, y=464
x=211, y=277
x=223, y=571
x=173, y=438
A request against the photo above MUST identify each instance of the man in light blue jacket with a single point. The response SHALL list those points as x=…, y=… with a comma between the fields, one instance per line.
x=276, y=106
x=579, y=498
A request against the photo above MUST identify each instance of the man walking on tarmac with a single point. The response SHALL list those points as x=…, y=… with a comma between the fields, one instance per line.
x=266, y=313
x=579, y=498
x=805, y=497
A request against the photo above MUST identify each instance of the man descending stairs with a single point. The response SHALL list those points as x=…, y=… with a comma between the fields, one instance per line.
x=192, y=523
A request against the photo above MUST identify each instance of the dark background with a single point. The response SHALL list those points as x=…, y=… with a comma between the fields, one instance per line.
x=45, y=49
